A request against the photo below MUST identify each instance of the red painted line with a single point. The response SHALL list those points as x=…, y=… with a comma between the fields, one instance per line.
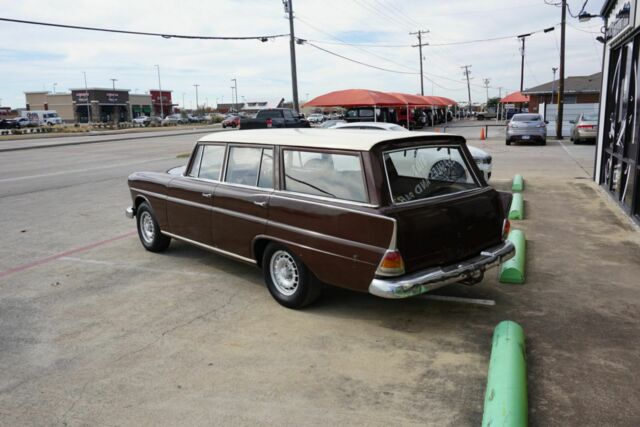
x=63, y=254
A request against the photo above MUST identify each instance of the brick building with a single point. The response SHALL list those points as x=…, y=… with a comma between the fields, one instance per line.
x=577, y=90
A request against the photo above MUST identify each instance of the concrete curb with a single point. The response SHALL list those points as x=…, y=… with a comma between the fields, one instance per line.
x=95, y=141
x=518, y=183
x=505, y=400
x=516, y=211
x=513, y=270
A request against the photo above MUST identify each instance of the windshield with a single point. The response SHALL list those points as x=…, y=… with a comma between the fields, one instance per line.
x=590, y=117
x=421, y=173
x=526, y=118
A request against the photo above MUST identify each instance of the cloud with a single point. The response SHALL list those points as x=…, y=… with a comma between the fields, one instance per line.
x=39, y=56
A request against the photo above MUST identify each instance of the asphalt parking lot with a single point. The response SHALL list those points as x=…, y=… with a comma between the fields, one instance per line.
x=96, y=331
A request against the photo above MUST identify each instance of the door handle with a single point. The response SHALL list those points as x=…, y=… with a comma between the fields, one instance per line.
x=261, y=204
x=207, y=195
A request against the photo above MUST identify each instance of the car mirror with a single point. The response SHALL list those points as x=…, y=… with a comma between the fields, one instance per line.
x=546, y=122
x=572, y=121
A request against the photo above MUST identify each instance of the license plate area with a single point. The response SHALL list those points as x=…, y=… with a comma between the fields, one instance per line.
x=525, y=137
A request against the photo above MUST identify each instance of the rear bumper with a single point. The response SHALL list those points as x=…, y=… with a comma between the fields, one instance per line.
x=130, y=212
x=434, y=278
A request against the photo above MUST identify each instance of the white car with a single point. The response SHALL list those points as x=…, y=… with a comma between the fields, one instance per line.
x=316, y=118
x=481, y=157
x=141, y=120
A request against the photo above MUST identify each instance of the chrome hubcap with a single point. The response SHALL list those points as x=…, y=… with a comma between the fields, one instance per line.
x=284, y=272
x=147, y=230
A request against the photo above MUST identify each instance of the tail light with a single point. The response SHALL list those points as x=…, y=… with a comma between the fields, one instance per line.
x=391, y=264
x=506, y=227
x=269, y=123
x=585, y=127
x=541, y=125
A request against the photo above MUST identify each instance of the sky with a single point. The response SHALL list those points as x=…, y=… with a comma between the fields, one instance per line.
x=33, y=58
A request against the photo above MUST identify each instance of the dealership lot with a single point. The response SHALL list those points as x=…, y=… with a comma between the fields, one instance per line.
x=94, y=330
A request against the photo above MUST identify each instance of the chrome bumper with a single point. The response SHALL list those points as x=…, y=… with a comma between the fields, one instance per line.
x=129, y=212
x=437, y=277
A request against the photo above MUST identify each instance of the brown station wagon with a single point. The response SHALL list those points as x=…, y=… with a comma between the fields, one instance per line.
x=388, y=213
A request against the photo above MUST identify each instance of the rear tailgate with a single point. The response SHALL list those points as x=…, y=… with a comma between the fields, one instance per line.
x=447, y=230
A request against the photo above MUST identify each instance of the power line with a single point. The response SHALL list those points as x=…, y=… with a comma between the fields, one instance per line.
x=141, y=33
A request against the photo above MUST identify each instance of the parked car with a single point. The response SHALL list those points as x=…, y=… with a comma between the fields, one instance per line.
x=388, y=213
x=231, y=121
x=526, y=127
x=585, y=128
x=331, y=123
x=24, y=122
x=174, y=119
x=157, y=120
x=482, y=158
x=486, y=115
x=316, y=118
x=9, y=124
x=42, y=117
x=141, y=120
x=275, y=118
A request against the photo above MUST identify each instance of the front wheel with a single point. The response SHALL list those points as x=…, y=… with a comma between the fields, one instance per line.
x=149, y=231
x=288, y=279
x=507, y=142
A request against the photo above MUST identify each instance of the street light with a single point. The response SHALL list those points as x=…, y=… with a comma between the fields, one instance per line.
x=584, y=17
x=160, y=90
x=113, y=83
x=235, y=87
x=196, y=86
x=86, y=89
x=183, y=106
x=54, y=88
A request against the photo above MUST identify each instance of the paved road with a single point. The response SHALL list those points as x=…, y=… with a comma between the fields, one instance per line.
x=96, y=331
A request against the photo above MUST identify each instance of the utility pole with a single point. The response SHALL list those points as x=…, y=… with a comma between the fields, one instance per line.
x=522, y=38
x=419, y=45
x=86, y=89
x=113, y=83
x=563, y=24
x=160, y=90
x=288, y=8
x=486, y=86
x=197, y=105
x=466, y=72
x=54, y=88
x=183, y=107
x=553, y=85
x=234, y=99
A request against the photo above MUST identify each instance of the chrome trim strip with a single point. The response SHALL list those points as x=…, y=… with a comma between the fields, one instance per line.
x=149, y=193
x=283, y=195
x=211, y=248
x=433, y=278
x=189, y=203
x=129, y=212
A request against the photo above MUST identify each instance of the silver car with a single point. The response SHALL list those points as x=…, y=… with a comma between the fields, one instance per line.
x=527, y=127
x=585, y=128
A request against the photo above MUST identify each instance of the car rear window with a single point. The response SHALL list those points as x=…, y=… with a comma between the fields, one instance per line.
x=526, y=118
x=424, y=172
x=333, y=175
x=269, y=114
x=590, y=117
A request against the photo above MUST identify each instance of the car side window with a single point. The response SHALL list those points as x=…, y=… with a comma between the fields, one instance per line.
x=265, y=179
x=325, y=174
x=243, y=165
x=288, y=115
x=211, y=164
x=195, y=165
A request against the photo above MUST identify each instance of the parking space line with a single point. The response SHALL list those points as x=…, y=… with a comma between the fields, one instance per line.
x=48, y=259
x=134, y=267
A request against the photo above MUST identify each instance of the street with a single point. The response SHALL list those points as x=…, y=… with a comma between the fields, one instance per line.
x=94, y=330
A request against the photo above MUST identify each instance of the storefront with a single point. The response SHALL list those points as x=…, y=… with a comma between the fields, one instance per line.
x=101, y=105
x=162, y=102
x=617, y=157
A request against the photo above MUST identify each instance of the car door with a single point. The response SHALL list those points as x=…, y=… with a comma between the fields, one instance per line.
x=241, y=201
x=190, y=197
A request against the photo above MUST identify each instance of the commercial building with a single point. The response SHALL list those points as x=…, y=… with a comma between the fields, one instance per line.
x=617, y=154
x=162, y=103
x=577, y=90
x=98, y=104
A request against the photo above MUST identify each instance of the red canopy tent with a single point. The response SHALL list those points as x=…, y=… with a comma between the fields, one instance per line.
x=448, y=101
x=515, y=98
x=411, y=101
x=355, y=98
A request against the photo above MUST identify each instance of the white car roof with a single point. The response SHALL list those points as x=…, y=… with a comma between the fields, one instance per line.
x=379, y=125
x=339, y=139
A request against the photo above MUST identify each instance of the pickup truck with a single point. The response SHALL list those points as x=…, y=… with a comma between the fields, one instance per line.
x=274, y=118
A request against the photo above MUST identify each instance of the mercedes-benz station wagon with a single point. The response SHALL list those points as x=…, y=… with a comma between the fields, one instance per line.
x=389, y=213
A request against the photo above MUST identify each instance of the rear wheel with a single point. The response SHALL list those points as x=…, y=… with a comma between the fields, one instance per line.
x=289, y=281
x=149, y=231
x=543, y=142
x=507, y=142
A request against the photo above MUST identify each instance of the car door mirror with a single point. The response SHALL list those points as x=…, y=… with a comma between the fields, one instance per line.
x=546, y=122
x=572, y=122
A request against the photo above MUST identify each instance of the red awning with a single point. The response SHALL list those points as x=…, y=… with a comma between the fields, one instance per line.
x=448, y=101
x=408, y=99
x=355, y=98
x=515, y=98
x=434, y=101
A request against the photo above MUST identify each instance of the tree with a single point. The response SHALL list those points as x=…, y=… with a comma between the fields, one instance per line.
x=493, y=103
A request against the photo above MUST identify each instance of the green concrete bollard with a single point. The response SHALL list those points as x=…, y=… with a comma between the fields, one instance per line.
x=505, y=400
x=512, y=270
x=516, y=211
x=518, y=183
